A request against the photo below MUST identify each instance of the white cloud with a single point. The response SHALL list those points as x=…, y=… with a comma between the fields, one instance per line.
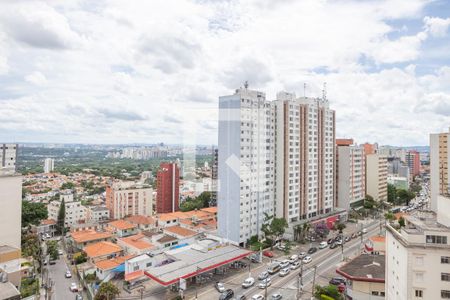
x=36, y=78
x=437, y=26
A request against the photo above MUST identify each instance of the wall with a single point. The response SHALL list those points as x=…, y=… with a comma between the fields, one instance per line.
x=11, y=212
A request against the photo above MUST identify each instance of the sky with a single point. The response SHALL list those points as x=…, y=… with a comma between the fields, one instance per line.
x=79, y=71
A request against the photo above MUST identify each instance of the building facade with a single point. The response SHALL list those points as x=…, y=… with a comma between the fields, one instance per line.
x=11, y=212
x=49, y=165
x=75, y=212
x=305, y=157
x=8, y=155
x=439, y=162
x=376, y=176
x=127, y=198
x=351, y=174
x=168, y=185
x=412, y=159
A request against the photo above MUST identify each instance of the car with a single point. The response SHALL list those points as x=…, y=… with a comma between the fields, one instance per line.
x=78, y=297
x=60, y=252
x=240, y=297
x=47, y=236
x=265, y=283
x=276, y=296
x=330, y=241
x=263, y=275
x=302, y=254
x=359, y=233
x=307, y=259
x=312, y=250
x=226, y=295
x=295, y=265
x=219, y=287
x=68, y=274
x=45, y=262
x=354, y=235
x=73, y=287
x=281, y=247
x=293, y=259
x=274, y=268
x=258, y=297
x=364, y=230
x=52, y=262
x=338, y=281
x=323, y=245
x=284, y=272
x=333, y=245
x=284, y=264
x=267, y=253
x=347, y=239
x=248, y=282
x=338, y=242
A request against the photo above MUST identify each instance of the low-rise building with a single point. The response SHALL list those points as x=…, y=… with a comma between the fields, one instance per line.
x=47, y=226
x=104, y=269
x=102, y=250
x=135, y=244
x=97, y=213
x=142, y=222
x=13, y=265
x=122, y=228
x=399, y=182
x=82, y=238
x=75, y=212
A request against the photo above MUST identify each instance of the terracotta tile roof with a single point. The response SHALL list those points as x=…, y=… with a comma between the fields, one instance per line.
x=134, y=275
x=136, y=241
x=180, y=231
x=48, y=222
x=212, y=209
x=143, y=220
x=88, y=235
x=166, y=238
x=101, y=248
x=108, y=264
x=121, y=225
x=171, y=216
x=378, y=238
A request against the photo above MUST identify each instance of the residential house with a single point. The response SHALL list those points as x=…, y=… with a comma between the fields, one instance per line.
x=142, y=222
x=122, y=228
x=135, y=244
x=102, y=250
x=81, y=239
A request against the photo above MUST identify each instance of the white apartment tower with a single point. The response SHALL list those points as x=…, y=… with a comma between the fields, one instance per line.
x=49, y=165
x=8, y=155
x=246, y=164
x=351, y=174
x=376, y=176
x=305, y=151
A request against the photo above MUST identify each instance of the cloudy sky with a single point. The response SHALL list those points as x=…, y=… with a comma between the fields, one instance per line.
x=151, y=71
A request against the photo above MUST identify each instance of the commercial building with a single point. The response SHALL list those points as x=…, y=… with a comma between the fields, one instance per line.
x=127, y=198
x=75, y=212
x=412, y=159
x=49, y=165
x=376, y=176
x=8, y=155
x=418, y=258
x=439, y=162
x=305, y=157
x=11, y=207
x=168, y=188
x=351, y=174
x=246, y=164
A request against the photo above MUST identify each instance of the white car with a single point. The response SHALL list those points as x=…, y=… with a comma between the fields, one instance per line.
x=60, y=252
x=307, y=259
x=302, y=254
x=285, y=263
x=248, y=282
x=364, y=230
x=284, y=272
x=293, y=259
x=265, y=283
x=323, y=245
x=73, y=287
x=295, y=265
x=258, y=297
x=263, y=275
x=68, y=274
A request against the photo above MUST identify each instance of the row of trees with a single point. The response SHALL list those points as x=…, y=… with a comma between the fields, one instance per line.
x=401, y=196
x=201, y=201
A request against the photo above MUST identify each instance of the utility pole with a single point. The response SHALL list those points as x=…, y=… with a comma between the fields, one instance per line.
x=300, y=281
x=265, y=289
x=314, y=281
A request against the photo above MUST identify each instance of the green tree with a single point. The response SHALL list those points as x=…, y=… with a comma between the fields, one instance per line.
x=401, y=222
x=340, y=227
x=273, y=228
x=405, y=196
x=369, y=202
x=67, y=185
x=107, y=291
x=392, y=193
x=327, y=291
x=389, y=216
x=33, y=213
x=30, y=246
x=61, y=218
x=205, y=198
x=52, y=249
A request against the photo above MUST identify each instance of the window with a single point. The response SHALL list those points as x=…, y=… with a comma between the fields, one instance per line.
x=436, y=239
x=445, y=294
x=375, y=293
x=445, y=276
x=445, y=259
x=419, y=293
x=419, y=260
x=419, y=277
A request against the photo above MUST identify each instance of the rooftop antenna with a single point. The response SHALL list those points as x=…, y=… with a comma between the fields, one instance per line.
x=304, y=90
x=246, y=84
x=324, y=92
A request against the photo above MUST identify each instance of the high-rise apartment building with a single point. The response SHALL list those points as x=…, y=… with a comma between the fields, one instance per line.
x=439, y=163
x=351, y=174
x=49, y=165
x=128, y=199
x=412, y=159
x=305, y=157
x=246, y=164
x=168, y=184
x=75, y=212
x=11, y=208
x=370, y=148
x=376, y=176
x=8, y=155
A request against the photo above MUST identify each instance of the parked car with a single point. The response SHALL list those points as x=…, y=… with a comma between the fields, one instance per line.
x=52, y=262
x=364, y=230
x=323, y=245
x=312, y=250
x=281, y=247
x=276, y=296
x=274, y=268
x=240, y=297
x=219, y=287
x=258, y=297
x=248, y=282
x=79, y=297
x=333, y=245
x=284, y=272
x=267, y=253
x=302, y=254
x=338, y=242
x=228, y=294
x=263, y=275
x=60, y=252
x=295, y=265
x=307, y=259
x=293, y=259
x=68, y=274
x=73, y=287
x=338, y=281
x=330, y=241
x=265, y=283
x=284, y=264
x=347, y=239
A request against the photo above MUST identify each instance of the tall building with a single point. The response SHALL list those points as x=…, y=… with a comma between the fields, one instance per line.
x=370, y=148
x=412, y=159
x=439, y=162
x=8, y=155
x=351, y=174
x=305, y=157
x=418, y=258
x=246, y=164
x=75, y=212
x=127, y=198
x=376, y=176
x=49, y=165
x=214, y=177
x=168, y=184
x=11, y=208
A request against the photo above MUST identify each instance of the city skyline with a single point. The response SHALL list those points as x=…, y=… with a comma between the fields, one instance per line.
x=114, y=73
